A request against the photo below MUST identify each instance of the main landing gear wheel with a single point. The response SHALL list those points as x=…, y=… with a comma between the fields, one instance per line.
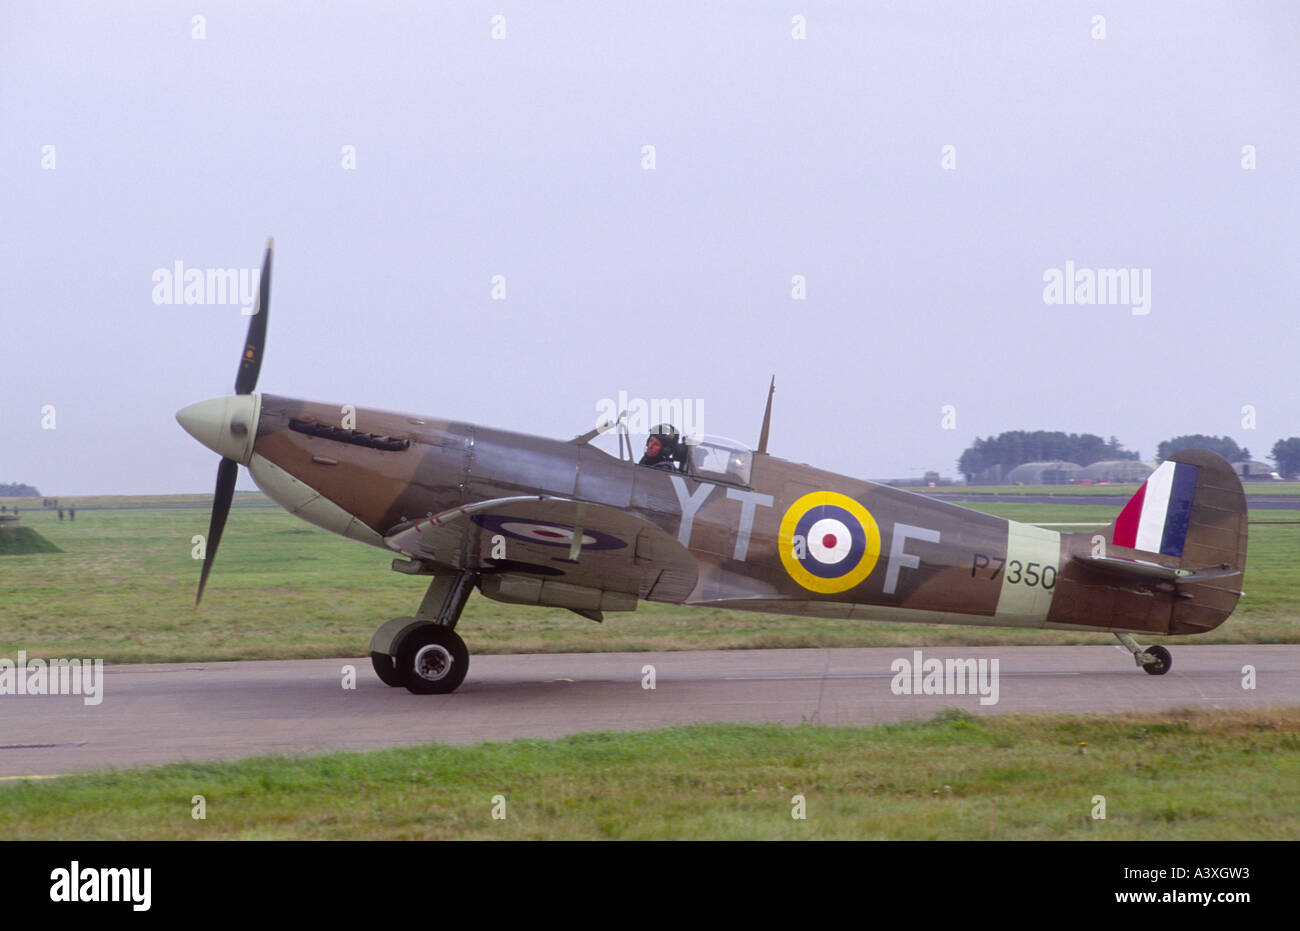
x=433, y=660
x=423, y=652
x=386, y=669
x=1162, y=664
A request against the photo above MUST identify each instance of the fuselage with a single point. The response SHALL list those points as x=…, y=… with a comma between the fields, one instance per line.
x=776, y=536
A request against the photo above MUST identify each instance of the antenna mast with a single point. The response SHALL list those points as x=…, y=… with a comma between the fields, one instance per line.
x=767, y=418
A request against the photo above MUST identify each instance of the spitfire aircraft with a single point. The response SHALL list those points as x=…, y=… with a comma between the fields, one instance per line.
x=528, y=520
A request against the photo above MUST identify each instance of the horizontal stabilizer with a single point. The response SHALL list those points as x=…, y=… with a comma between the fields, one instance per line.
x=1134, y=567
x=1140, y=568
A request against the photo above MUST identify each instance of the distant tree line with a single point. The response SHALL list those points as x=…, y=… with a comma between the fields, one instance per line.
x=1017, y=447
x=15, y=490
x=1225, y=446
x=1020, y=446
x=1286, y=455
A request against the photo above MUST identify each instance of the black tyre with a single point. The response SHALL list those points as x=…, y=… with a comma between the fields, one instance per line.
x=386, y=669
x=433, y=660
x=1164, y=661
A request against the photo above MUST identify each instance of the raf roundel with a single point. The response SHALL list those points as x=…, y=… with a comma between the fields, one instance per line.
x=531, y=531
x=829, y=542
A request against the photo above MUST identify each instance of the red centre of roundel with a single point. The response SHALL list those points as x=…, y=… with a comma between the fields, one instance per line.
x=828, y=541
x=546, y=533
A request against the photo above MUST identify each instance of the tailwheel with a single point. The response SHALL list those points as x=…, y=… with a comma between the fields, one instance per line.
x=1155, y=660
x=432, y=660
x=1162, y=661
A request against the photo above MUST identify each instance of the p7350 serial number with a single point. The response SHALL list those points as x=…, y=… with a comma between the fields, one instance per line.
x=1035, y=575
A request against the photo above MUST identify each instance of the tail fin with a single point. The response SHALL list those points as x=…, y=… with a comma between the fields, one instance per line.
x=1192, y=511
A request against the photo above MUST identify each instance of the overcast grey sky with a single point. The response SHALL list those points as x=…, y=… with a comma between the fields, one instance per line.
x=523, y=157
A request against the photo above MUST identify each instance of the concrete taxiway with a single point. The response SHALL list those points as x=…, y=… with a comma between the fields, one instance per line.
x=160, y=713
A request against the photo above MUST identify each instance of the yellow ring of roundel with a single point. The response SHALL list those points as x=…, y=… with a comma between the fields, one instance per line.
x=815, y=583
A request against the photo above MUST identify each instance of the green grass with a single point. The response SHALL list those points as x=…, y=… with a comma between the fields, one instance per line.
x=23, y=541
x=1180, y=776
x=122, y=589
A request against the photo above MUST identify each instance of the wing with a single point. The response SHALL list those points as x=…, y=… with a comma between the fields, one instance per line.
x=580, y=543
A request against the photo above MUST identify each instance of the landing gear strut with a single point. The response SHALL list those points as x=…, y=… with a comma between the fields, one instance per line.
x=424, y=653
x=1155, y=661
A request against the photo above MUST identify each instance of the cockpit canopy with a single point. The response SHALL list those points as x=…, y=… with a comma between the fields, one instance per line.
x=718, y=459
x=703, y=456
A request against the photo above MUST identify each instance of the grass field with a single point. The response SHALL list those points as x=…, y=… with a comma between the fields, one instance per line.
x=1179, y=776
x=122, y=589
x=23, y=541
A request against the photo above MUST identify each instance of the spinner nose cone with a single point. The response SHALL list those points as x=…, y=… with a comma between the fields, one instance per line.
x=227, y=426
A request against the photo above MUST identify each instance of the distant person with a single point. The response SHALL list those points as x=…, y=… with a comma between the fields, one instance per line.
x=60, y=513
x=72, y=512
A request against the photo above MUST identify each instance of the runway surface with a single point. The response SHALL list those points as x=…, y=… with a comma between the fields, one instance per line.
x=221, y=711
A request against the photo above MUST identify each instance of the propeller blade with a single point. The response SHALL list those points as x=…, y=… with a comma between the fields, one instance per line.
x=255, y=343
x=227, y=472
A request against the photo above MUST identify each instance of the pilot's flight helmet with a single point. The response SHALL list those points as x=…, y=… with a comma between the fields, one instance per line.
x=667, y=435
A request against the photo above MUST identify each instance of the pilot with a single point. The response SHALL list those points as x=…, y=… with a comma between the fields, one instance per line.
x=661, y=448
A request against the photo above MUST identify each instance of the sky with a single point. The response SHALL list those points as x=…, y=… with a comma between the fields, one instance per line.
x=866, y=200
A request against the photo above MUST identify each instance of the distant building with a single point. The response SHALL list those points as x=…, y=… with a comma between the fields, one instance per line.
x=1254, y=471
x=1056, y=472
x=1116, y=470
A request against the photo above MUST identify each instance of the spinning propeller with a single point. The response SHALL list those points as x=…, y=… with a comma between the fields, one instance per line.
x=228, y=425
